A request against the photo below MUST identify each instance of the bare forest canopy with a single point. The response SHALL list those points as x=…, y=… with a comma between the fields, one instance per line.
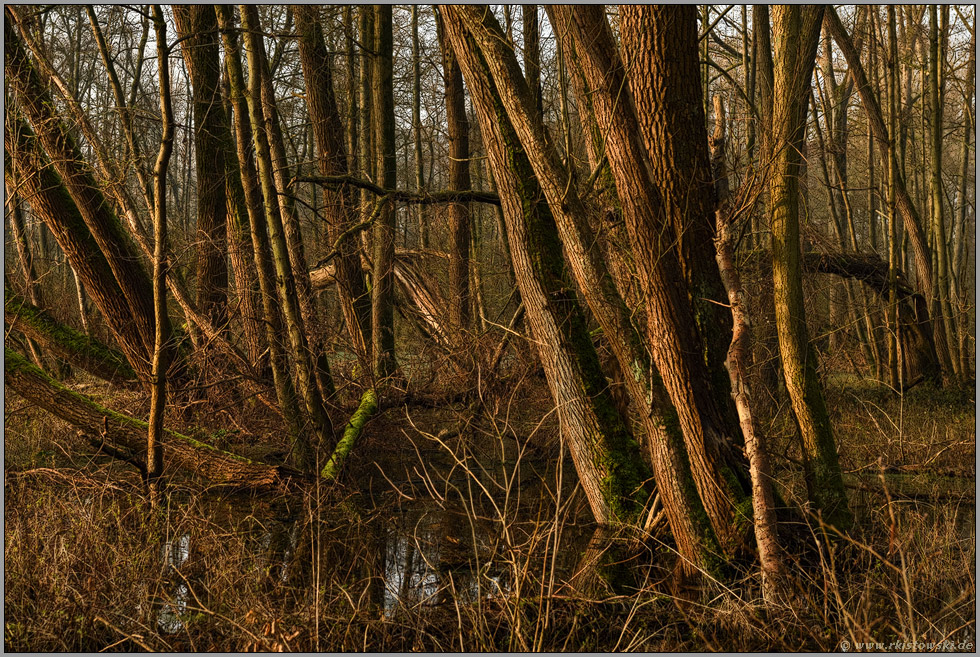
x=681, y=218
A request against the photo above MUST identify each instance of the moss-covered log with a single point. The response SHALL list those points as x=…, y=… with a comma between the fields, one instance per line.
x=75, y=347
x=127, y=434
x=353, y=430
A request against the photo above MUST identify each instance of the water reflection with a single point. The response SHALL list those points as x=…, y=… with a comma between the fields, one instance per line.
x=175, y=554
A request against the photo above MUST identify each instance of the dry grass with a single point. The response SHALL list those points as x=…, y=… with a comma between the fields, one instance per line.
x=486, y=545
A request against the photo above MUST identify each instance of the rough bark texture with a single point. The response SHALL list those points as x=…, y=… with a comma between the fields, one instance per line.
x=31, y=174
x=796, y=32
x=332, y=160
x=197, y=28
x=129, y=434
x=672, y=333
x=660, y=43
x=605, y=455
x=76, y=348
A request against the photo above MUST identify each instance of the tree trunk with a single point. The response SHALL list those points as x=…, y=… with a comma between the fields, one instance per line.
x=254, y=203
x=162, y=346
x=332, y=160
x=76, y=348
x=797, y=30
x=306, y=383
x=903, y=202
x=197, y=29
x=383, y=111
x=459, y=179
x=605, y=455
x=128, y=434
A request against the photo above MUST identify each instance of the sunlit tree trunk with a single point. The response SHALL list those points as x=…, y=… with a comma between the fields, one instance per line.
x=796, y=31
x=161, y=347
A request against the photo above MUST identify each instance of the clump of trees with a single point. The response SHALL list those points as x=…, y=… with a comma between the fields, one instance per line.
x=351, y=171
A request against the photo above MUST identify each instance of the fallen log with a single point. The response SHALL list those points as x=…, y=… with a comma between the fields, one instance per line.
x=128, y=434
x=75, y=347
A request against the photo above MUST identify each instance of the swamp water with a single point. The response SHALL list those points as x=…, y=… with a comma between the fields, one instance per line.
x=429, y=537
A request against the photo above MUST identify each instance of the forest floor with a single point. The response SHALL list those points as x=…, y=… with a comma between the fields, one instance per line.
x=454, y=530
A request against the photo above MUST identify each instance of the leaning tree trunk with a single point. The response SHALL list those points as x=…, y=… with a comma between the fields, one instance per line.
x=796, y=32
x=606, y=457
x=105, y=427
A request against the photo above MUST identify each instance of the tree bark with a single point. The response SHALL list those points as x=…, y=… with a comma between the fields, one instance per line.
x=459, y=179
x=332, y=160
x=197, y=29
x=796, y=33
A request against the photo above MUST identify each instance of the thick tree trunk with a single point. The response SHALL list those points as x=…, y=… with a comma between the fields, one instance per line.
x=76, y=348
x=128, y=434
x=79, y=182
x=796, y=32
x=197, y=29
x=29, y=171
x=661, y=59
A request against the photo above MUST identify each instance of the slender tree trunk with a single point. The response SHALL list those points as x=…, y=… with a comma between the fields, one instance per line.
x=423, y=221
x=904, y=205
x=738, y=362
x=459, y=179
x=532, y=53
x=161, y=346
x=894, y=368
x=254, y=203
x=796, y=33
x=303, y=455
x=383, y=110
x=940, y=306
